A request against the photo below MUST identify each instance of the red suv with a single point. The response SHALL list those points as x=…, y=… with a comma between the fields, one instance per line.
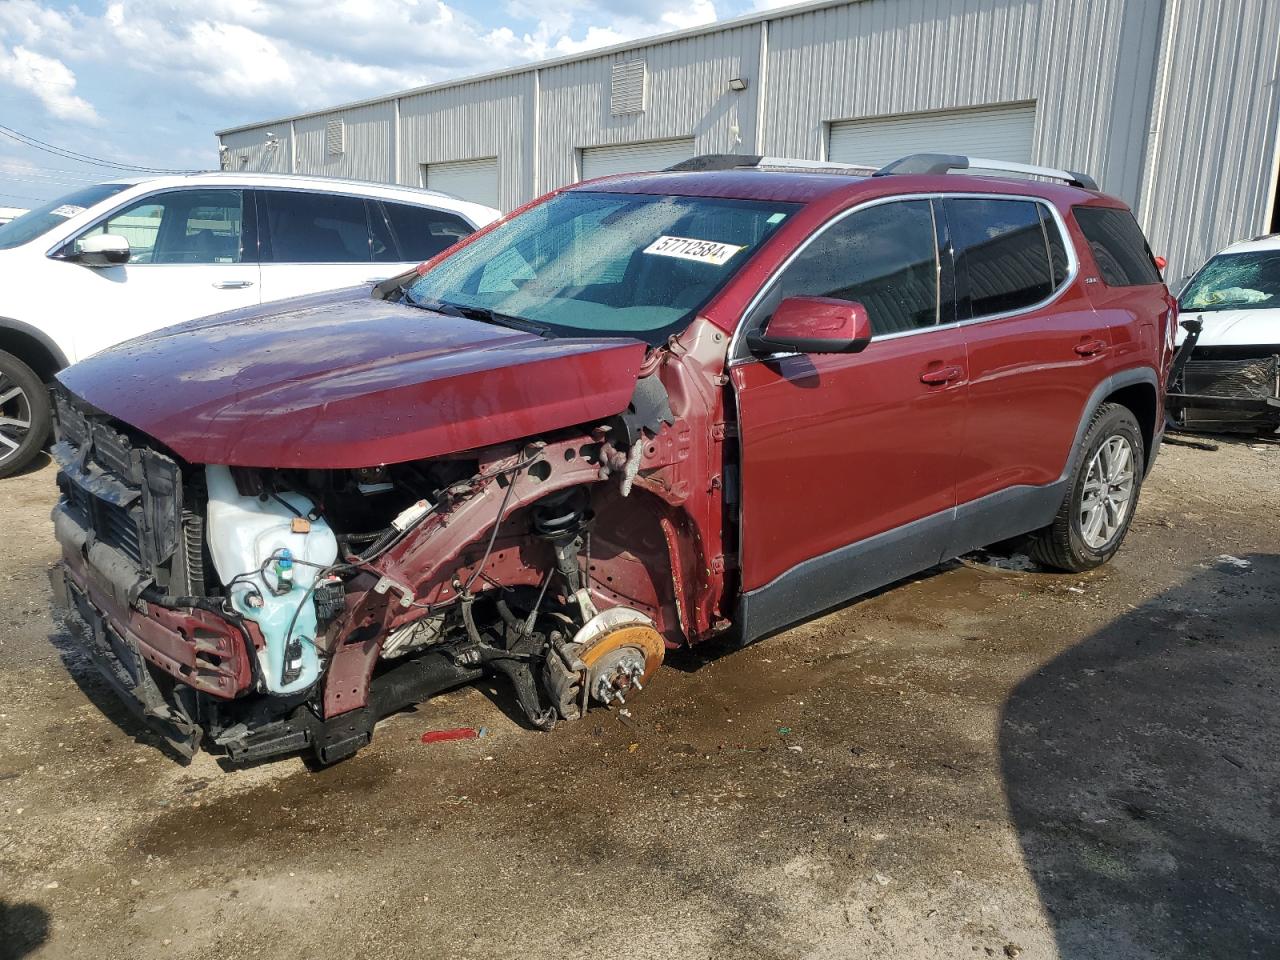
x=637, y=414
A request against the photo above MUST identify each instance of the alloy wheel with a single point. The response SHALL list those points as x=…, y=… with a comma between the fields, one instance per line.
x=1107, y=496
x=15, y=417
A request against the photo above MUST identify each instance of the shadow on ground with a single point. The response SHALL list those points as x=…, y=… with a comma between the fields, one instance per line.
x=1142, y=768
x=24, y=927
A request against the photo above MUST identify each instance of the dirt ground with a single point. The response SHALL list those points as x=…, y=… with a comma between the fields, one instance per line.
x=980, y=762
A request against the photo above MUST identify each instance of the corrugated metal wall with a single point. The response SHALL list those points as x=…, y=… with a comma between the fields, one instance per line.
x=491, y=118
x=250, y=150
x=1214, y=144
x=1198, y=171
x=887, y=57
x=688, y=96
x=370, y=134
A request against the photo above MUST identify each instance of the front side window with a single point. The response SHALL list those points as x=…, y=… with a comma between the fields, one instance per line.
x=587, y=263
x=422, y=232
x=1006, y=257
x=1236, y=281
x=182, y=226
x=884, y=257
x=317, y=228
x=36, y=223
x=1121, y=251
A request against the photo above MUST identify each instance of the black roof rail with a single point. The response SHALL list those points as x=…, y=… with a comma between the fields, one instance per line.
x=946, y=162
x=715, y=161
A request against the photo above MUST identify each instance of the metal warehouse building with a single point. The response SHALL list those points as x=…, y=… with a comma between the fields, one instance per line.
x=1173, y=105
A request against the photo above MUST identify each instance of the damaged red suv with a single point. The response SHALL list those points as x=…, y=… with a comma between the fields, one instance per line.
x=640, y=413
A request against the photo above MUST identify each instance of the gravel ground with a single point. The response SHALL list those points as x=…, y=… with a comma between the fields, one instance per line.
x=979, y=762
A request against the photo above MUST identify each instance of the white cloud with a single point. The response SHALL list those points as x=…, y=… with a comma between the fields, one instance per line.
x=49, y=80
x=166, y=73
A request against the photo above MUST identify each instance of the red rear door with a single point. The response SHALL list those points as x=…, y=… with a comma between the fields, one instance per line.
x=849, y=460
x=1037, y=349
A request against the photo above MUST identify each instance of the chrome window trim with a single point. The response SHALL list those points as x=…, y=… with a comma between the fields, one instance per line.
x=1073, y=270
x=244, y=188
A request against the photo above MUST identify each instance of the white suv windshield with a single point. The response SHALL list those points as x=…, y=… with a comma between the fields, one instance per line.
x=36, y=223
x=604, y=263
x=1236, y=281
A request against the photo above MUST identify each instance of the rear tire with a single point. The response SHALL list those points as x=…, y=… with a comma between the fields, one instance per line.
x=1102, y=494
x=24, y=414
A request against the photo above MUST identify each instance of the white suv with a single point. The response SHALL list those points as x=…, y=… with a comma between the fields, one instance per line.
x=112, y=261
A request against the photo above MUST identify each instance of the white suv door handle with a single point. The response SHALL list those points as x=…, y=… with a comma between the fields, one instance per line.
x=233, y=284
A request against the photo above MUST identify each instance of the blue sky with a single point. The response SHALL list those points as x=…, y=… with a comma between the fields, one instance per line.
x=148, y=81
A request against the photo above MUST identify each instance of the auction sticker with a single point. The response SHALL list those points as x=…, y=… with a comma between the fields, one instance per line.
x=67, y=210
x=686, y=248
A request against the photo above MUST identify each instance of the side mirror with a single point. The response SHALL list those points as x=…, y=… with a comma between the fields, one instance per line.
x=814, y=325
x=101, y=250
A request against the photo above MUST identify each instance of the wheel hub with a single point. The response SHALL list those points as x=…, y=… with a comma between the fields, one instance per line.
x=15, y=417
x=617, y=674
x=620, y=660
x=1108, y=493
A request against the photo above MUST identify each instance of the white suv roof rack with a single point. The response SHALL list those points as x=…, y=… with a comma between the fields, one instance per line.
x=946, y=162
x=741, y=161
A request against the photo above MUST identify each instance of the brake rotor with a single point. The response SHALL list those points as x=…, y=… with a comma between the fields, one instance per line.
x=620, y=651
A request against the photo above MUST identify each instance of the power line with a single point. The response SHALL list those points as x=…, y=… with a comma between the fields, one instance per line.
x=36, y=176
x=66, y=154
x=17, y=169
x=19, y=196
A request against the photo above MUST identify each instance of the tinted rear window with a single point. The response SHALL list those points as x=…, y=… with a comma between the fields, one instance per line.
x=423, y=232
x=316, y=228
x=1003, y=257
x=1119, y=247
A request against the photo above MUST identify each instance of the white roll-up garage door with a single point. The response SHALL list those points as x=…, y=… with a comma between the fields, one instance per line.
x=474, y=180
x=997, y=133
x=634, y=157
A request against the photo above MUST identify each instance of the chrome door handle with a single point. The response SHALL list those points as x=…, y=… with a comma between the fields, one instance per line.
x=232, y=284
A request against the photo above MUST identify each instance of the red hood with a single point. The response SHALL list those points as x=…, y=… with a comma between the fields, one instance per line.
x=342, y=381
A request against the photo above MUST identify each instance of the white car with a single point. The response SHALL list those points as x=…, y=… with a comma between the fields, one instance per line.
x=1231, y=381
x=112, y=261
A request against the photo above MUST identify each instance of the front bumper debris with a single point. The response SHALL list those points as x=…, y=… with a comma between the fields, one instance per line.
x=118, y=657
x=1228, y=389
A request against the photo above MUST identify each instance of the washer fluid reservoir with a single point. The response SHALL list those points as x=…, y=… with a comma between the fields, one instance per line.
x=267, y=553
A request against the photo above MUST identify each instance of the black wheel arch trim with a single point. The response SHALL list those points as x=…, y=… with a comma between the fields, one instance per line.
x=39, y=336
x=1117, y=381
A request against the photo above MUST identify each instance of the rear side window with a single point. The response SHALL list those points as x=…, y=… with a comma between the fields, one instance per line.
x=1119, y=247
x=316, y=228
x=1004, y=257
x=423, y=232
x=884, y=257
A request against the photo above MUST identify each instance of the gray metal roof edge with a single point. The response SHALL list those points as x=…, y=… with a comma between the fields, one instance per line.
x=717, y=26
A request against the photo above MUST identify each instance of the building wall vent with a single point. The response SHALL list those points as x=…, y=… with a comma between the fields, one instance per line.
x=335, y=137
x=627, y=89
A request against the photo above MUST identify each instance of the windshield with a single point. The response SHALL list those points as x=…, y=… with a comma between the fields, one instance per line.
x=605, y=263
x=36, y=223
x=1236, y=281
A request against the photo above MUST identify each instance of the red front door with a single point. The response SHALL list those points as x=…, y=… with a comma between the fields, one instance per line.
x=849, y=460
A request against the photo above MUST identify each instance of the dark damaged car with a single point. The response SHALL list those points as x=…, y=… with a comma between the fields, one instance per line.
x=643, y=412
